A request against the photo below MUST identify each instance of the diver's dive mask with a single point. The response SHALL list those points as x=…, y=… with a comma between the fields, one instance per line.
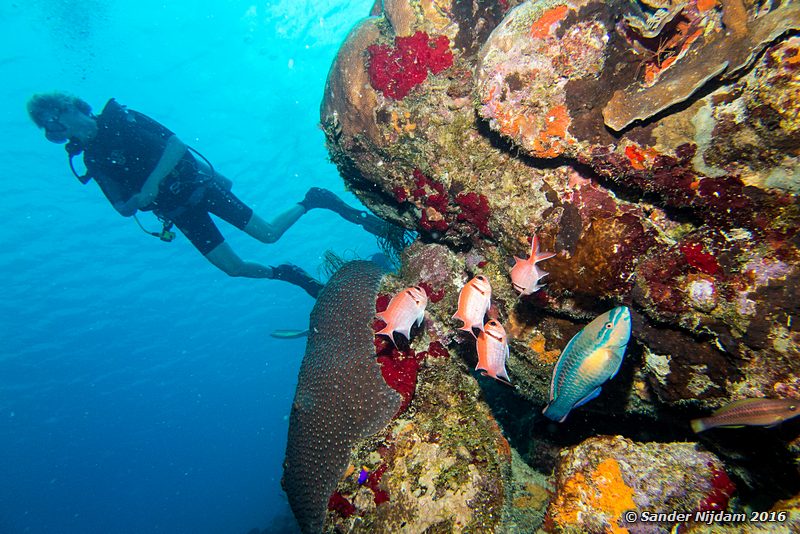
x=54, y=131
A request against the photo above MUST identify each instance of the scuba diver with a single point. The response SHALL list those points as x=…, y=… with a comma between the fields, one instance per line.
x=140, y=165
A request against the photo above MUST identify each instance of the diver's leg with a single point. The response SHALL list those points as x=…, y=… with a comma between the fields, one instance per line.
x=316, y=197
x=297, y=276
x=224, y=204
x=270, y=232
x=196, y=224
x=223, y=257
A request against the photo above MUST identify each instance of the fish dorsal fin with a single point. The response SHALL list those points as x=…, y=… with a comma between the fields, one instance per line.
x=735, y=404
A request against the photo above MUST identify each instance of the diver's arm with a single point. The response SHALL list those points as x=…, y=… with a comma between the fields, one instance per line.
x=173, y=153
x=113, y=193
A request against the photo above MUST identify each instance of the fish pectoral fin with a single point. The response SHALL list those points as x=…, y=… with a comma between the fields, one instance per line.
x=619, y=365
x=592, y=395
x=503, y=379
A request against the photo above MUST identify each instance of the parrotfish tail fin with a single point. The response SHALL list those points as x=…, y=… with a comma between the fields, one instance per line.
x=550, y=413
x=592, y=395
x=698, y=425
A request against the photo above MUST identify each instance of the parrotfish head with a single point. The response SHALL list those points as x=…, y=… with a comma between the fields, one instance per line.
x=616, y=329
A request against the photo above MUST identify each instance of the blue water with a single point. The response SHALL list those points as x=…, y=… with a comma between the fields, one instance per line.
x=139, y=388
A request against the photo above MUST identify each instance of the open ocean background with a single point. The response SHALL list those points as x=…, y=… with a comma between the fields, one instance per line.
x=139, y=388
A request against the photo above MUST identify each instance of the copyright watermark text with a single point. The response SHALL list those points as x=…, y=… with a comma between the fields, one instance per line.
x=708, y=517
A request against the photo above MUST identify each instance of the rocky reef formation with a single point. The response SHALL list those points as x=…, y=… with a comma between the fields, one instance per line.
x=607, y=484
x=653, y=145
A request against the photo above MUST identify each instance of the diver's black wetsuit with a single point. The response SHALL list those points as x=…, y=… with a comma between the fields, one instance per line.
x=127, y=148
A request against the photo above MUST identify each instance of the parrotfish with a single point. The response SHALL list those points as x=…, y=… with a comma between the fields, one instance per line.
x=473, y=303
x=492, y=348
x=405, y=310
x=525, y=275
x=592, y=357
x=750, y=412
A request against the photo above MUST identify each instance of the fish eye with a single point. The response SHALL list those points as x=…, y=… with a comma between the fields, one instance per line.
x=481, y=277
x=609, y=325
x=792, y=407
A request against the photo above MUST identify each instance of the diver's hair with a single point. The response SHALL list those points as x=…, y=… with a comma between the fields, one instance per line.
x=42, y=106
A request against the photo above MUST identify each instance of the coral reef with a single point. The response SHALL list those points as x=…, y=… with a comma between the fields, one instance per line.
x=653, y=146
x=442, y=465
x=690, y=217
x=324, y=423
x=394, y=71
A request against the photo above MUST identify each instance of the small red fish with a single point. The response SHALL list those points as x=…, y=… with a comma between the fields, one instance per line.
x=492, y=348
x=525, y=275
x=473, y=303
x=750, y=412
x=404, y=310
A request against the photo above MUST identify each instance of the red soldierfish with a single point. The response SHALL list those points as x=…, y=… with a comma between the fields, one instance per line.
x=750, y=412
x=492, y=348
x=473, y=303
x=404, y=310
x=525, y=275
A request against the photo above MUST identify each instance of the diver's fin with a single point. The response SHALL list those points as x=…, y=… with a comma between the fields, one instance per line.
x=288, y=334
x=317, y=197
